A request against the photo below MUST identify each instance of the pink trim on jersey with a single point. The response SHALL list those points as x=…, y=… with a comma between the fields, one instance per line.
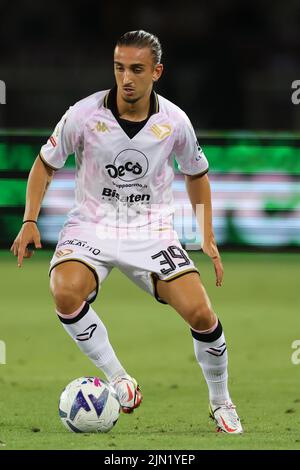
x=206, y=332
x=72, y=315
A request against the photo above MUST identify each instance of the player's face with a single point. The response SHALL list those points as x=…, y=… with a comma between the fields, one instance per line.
x=135, y=72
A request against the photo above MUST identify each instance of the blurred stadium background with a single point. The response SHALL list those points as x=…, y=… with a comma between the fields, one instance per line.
x=230, y=65
x=254, y=177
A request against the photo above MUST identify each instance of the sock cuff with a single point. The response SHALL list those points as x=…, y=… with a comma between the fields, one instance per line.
x=208, y=337
x=210, y=330
x=75, y=316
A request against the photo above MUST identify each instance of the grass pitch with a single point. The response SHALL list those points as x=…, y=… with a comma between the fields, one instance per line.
x=259, y=309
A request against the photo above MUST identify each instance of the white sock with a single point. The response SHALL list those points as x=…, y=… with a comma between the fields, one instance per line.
x=90, y=334
x=211, y=354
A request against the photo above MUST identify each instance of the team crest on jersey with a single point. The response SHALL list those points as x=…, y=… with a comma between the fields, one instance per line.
x=101, y=127
x=161, y=130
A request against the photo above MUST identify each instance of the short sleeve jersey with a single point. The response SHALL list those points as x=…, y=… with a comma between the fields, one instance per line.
x=120, y=180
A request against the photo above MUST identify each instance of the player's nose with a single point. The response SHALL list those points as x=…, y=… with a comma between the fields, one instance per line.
x=127, y=78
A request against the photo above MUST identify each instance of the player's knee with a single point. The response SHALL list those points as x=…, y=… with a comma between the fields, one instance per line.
x=67, y=296
x=67, y=300
x=201, y=316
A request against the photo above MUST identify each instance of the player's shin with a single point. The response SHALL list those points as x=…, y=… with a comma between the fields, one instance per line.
x=211, y=354
x=90, y=334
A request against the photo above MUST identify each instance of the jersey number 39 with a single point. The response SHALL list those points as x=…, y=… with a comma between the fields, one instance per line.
x=171, y=256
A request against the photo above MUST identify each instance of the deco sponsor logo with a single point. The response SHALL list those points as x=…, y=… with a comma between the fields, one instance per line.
x=129, y=165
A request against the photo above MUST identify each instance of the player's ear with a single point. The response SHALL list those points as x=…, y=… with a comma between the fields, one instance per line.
x=157, y=72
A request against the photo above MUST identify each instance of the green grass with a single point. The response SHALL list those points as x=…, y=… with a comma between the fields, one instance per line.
x=259, y=308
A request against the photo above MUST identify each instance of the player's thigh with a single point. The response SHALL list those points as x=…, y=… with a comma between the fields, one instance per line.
x=72, y=276
x=187, y=295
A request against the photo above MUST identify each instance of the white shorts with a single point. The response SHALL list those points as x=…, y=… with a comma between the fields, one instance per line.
x=143, y=260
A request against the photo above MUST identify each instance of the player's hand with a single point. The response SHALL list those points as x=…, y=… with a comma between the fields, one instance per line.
x=29, y=233
x=211, y=250
x=218, y=270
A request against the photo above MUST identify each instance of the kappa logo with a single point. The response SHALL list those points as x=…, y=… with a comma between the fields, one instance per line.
x=161, y=130
x=87, y=334
x=60, y=253
x=101, y=127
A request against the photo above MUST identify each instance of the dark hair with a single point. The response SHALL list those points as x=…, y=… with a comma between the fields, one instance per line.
x=141, y=39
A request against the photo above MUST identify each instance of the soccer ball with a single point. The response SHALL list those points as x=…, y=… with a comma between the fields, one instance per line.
x=89, y=404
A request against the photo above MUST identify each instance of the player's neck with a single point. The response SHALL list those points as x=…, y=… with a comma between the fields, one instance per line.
x=137, y=111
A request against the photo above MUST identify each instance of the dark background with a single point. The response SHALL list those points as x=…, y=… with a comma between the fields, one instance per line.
x=228, y=64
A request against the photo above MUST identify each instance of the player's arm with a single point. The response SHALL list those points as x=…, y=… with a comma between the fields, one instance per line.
x=53, y=156
x=39, y=179
x=198, y=188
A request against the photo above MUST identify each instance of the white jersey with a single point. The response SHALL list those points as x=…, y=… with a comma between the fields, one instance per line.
x=123, y=181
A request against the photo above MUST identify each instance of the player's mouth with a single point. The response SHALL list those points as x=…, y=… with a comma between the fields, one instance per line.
x=128, y=91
